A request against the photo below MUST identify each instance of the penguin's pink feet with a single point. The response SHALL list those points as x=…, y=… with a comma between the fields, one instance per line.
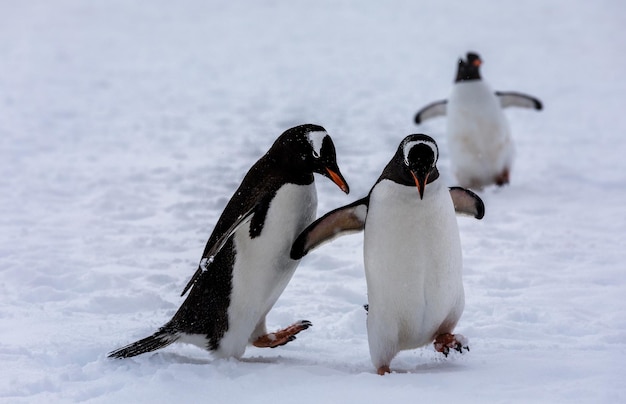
x=444, y=342
x=281, y=337
x=502, y=178
x=383, y=369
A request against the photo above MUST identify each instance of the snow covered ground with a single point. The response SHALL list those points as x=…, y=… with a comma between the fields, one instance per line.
x=125, y=126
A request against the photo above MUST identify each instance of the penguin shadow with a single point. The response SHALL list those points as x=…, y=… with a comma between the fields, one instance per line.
x=263, y=360
x=314, y=366
x=431, y=367
x=254, y=363
x=171, y=357
x=269, y=360
x=187, y=359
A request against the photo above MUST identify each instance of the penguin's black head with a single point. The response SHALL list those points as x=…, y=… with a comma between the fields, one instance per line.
x=309, y=149
x=469, y=69
x=420, y=154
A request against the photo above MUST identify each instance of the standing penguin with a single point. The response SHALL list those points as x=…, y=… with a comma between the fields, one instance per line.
x=246, y=265
x=478, y=133
x=412, y=252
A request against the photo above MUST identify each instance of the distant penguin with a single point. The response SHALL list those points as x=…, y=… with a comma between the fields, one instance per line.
x=246, y=265
x=412, y=252
x=478, y=133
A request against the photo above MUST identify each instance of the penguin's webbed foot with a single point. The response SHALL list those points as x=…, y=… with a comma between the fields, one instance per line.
x=281, y=337
x=383, y=369
x=447, y=341
x=502, y=178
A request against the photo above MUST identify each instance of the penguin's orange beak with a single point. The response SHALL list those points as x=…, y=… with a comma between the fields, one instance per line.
x=420, y=183
x=337, y=178
x=477, y=62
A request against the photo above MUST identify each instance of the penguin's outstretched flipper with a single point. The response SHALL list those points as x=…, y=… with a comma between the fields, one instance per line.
x=432, y=110
x=351, y=219
x=158, y=340
x=208, y=256
x=515, y=99
x=345, y=220
x=467, y=203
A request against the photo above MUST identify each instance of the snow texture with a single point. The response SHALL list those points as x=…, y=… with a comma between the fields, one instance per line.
x=126, y=126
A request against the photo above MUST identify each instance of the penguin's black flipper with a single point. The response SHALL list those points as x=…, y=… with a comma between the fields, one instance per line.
x=514, y=99
x=432, y=110
x=466, y=202
x=158, y=340
x=341, y=221
x=260, y=212
x=210, y=254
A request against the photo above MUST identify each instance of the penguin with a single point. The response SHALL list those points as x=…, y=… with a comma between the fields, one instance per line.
x=478, y=133
x=411, y=251
x=246, y=264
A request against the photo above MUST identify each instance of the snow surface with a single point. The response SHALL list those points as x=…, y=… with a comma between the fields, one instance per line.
x=125, y=126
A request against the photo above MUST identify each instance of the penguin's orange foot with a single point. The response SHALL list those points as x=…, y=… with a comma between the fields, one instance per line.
x=281, y=337
x=444, y=342
x=383, y=369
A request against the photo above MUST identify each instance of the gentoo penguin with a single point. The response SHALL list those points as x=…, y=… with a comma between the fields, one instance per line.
x=478, y=133
x=412, y=252
x=246, y=265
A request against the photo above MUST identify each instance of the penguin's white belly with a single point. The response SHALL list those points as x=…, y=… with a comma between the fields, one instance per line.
x=413, y=267
x=263, y=266
x=478, y=133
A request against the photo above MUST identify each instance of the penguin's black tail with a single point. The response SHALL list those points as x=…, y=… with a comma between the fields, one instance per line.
x=158, y=340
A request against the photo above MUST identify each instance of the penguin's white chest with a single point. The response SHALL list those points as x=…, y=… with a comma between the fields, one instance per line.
x=478, y=133
x=263, y=266
x=413, y=264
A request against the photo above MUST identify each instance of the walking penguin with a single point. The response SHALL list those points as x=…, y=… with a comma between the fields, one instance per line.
x=412, y=252
x=246, y=264
x=478, y=133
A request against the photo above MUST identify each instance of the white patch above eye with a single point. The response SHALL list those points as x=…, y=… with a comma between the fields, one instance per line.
x=409, y=145
x=316, y=139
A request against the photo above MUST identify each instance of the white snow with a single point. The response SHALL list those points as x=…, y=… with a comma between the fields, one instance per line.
x=125, y=127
